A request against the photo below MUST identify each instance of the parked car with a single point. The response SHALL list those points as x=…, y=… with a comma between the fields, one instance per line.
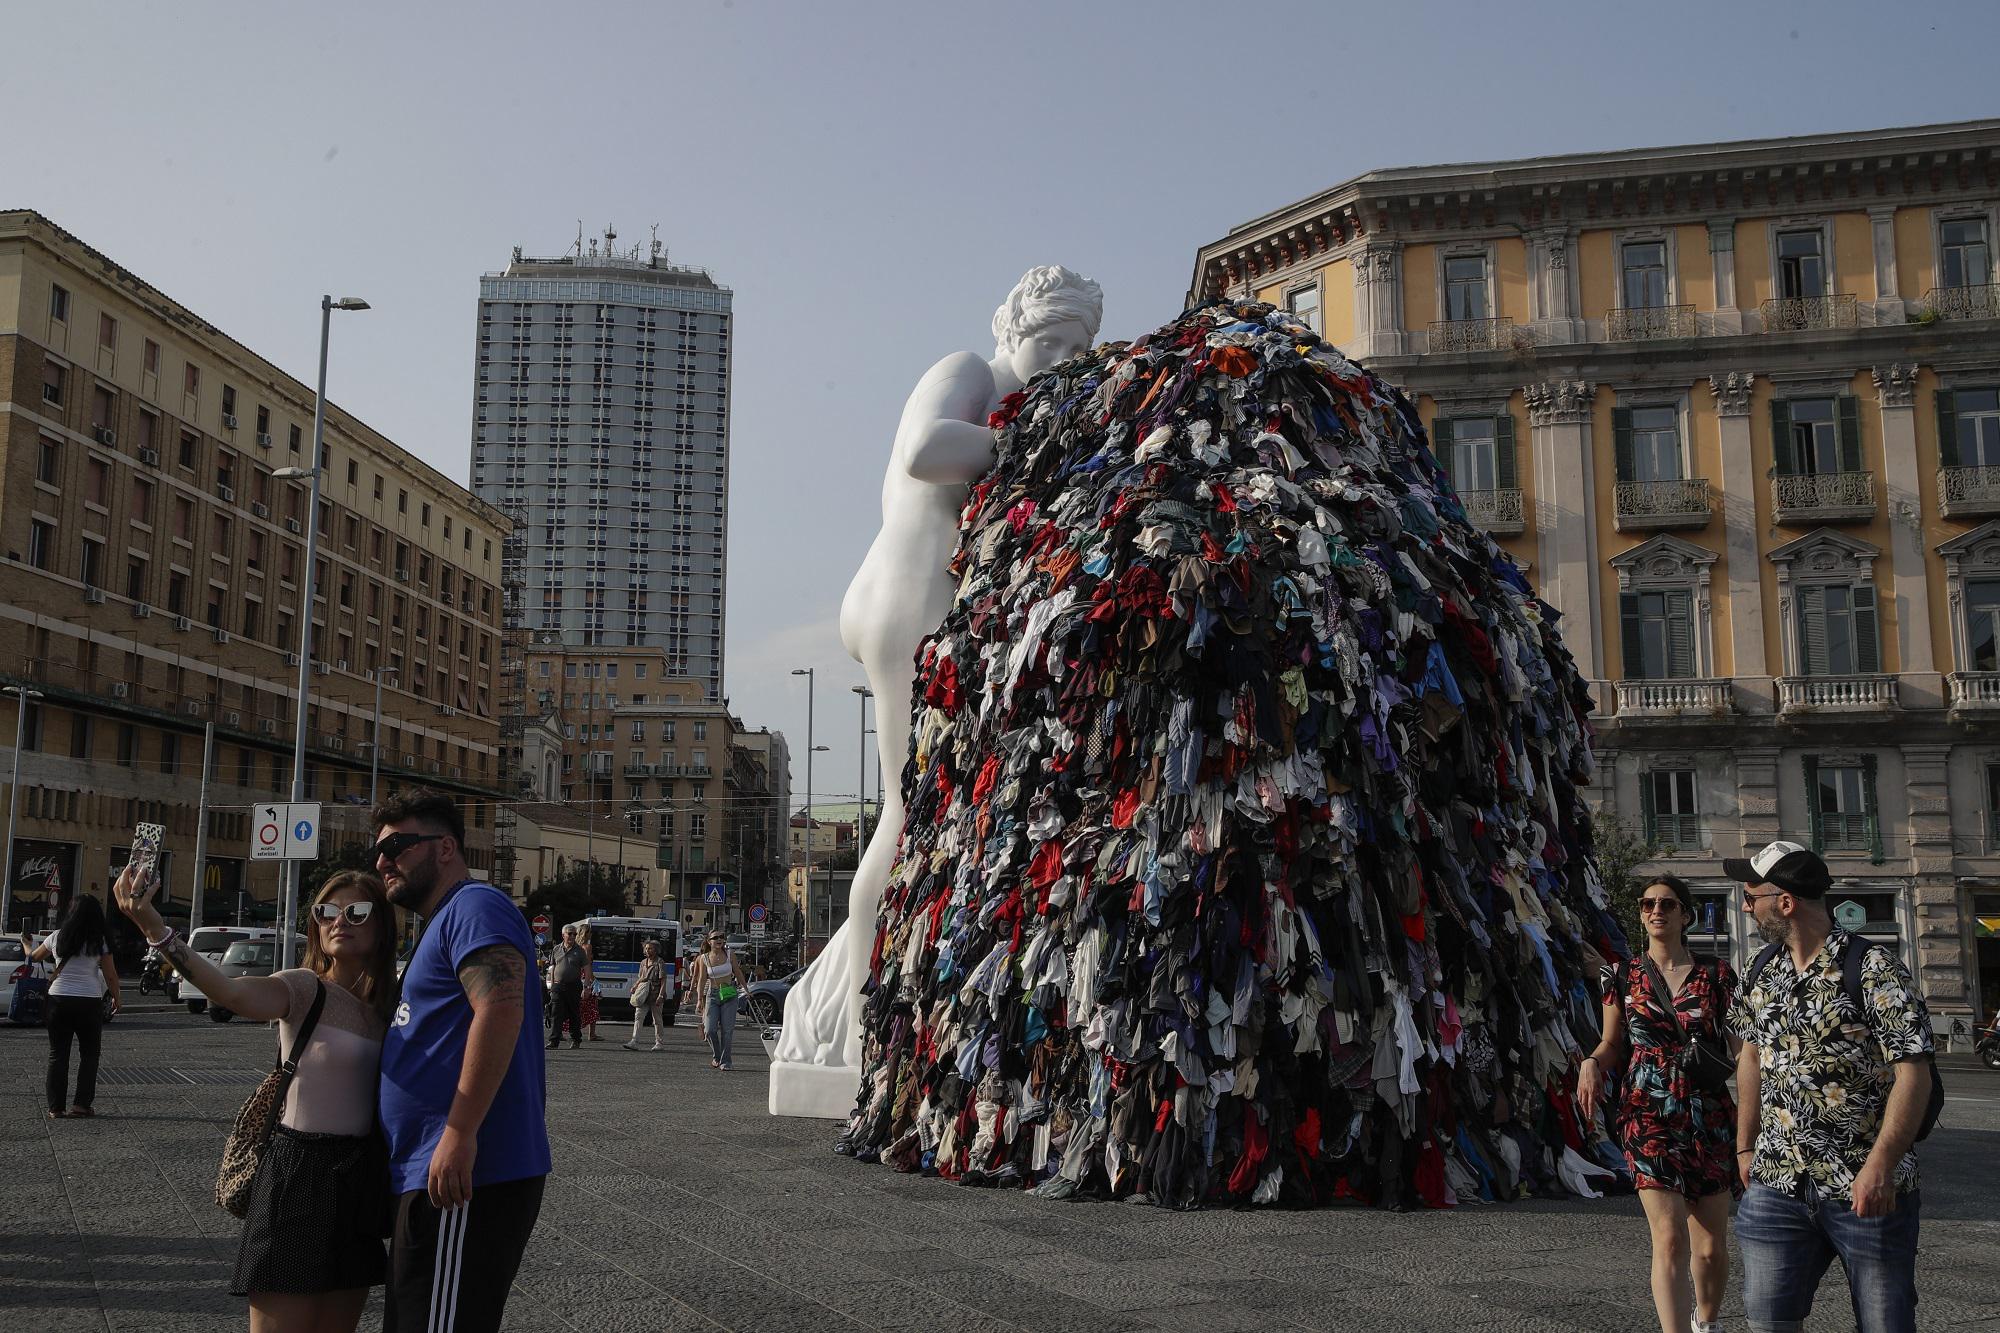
x=213, y=943
x=764, y=1001
x=248, y=958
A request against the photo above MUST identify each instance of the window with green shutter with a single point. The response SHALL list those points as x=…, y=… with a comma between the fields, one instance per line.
x=1849, y=432
x=1813, y=432
x=1838, y=631
x=1505, y=470
x=1656, y=630
x=1969, y=428
x=1842, y=802
x=1473, y=461
x=1622, y=447
x=1667, y=804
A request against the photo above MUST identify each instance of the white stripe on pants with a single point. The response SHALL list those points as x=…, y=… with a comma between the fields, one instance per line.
x=444, y=1278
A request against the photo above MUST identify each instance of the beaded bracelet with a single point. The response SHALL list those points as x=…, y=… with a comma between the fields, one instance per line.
x=164, y=940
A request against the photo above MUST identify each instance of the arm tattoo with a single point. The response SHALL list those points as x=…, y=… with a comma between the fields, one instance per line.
x=177, y=954
x=496, y=974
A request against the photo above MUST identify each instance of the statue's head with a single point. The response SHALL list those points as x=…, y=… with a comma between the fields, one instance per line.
x=1051, y=315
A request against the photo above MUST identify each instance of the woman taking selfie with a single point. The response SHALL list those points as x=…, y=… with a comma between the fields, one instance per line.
x=312, y=1239
x=1675, y=1122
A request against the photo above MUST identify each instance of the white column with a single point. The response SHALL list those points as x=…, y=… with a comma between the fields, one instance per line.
x=1738, y=491
x=1559, y=413
x=1889, y=303
x=1896, y=388
x=1722, y=260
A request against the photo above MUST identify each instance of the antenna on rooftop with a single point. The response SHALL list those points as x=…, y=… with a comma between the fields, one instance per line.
x=610, y=235
x=579, y=238
x=656, y=242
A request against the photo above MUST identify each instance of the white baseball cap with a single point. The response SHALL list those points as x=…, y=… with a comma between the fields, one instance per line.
x=1789, y=866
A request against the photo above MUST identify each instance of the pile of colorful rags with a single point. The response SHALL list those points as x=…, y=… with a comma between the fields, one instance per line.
x=1245, y=857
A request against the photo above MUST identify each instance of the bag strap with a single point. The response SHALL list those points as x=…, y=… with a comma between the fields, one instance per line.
x=1666, y=993
x=1759, y=963
x=303, y=1035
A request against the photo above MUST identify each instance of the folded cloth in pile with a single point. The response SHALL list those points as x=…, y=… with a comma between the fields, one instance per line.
x=1245, y=857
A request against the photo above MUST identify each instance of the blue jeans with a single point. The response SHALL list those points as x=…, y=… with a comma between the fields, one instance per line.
x=720, y=1028
x=1789, y=1243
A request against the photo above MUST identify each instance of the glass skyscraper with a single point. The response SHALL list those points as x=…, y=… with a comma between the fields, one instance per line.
x=601, y=427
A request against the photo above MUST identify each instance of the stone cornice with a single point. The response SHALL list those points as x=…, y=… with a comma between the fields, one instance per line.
x=1903, y=166
x=1559, y=402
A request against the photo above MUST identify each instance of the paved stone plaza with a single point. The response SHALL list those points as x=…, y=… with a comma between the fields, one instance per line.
x=678, y=1204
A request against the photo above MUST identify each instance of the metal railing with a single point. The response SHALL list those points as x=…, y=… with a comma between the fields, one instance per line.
x=1495, y=511
x=1836, y=692
x=1473, y=335
x=1974, y=689
x=1662, y=504
x=1847, y=832
x=1968, y=490
x=1823, y=494
x=1799, y=314
x=1637, y=325
x=1671, y=698
x=1980, y=302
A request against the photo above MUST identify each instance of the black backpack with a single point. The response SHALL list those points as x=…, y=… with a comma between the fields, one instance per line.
x=1850, y=984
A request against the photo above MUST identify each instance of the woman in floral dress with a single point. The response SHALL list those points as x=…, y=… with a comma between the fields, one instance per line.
x=1679, y=1140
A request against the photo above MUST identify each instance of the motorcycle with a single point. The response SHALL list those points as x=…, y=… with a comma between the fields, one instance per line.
x=1987, y=1043
x=157, y=974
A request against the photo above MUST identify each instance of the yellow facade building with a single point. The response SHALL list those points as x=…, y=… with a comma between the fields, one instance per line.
x=1736, y=410
x=152, y=582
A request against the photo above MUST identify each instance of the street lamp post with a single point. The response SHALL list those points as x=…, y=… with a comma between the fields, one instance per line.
x=22, y=695
x=375, y=741
x=861, y=791
x=288, y=898
x=810, y=673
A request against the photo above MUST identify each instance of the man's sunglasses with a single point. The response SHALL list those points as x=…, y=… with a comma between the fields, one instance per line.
x=1752, y=899
x=396, y=844
x=356, y=913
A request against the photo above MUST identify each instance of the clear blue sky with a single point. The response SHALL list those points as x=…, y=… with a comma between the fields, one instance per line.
x=870, y=178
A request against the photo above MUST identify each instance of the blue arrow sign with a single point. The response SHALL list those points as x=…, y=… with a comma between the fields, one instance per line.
x=715, y=893
x=303, y=830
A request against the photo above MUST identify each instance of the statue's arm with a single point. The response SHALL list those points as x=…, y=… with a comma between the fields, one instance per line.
x=944, y=437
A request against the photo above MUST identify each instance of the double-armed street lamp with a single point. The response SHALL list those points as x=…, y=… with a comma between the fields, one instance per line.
x=23, y=696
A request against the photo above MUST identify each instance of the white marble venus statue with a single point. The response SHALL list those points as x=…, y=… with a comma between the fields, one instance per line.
x=898, y=597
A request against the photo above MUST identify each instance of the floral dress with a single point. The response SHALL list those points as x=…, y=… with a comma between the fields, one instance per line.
x=1676, y=1136
x=587, y=1010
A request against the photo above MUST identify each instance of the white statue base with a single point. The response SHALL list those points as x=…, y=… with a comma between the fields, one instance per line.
x=815, y=1092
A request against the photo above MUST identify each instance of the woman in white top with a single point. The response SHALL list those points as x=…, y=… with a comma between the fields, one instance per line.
x=85, y=974
x=312, y=1241
x=718, y=984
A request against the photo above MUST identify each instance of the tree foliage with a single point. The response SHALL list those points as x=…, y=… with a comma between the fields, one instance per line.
x=576, y=893
x=1620, y=851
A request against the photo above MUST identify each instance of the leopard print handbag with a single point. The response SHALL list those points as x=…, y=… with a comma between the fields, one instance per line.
x=243, y=1152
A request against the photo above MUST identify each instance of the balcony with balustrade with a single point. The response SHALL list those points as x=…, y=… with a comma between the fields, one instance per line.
x=1836, y=694
x=1969, y=492
x=1823, y=497
x=1641, y=325
x=1809, y=314
x=1642, y=505
x=1499, y=513
x=1640, y=700
x=1974, y=691
x=1476, y=335
x=1980, y=302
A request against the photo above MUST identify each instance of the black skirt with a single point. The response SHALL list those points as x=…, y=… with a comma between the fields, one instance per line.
x=318, y=1213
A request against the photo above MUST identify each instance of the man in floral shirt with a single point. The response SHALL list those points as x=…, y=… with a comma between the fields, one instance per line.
x=1829, y=1102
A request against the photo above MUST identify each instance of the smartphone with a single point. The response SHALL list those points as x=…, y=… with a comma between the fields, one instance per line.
x=146, y=842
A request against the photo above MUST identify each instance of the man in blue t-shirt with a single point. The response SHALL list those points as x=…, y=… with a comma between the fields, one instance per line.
x=462, y=1094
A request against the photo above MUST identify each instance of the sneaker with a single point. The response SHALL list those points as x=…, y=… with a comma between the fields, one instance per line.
x=576, y=1046
x=632, y=1046
x=658, y=1047
x=554, y=1044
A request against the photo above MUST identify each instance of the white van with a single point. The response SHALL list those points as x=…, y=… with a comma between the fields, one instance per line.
x=212, y=942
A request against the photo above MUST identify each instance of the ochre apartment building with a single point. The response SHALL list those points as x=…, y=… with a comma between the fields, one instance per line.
x=1736, y=410
x=152, y=584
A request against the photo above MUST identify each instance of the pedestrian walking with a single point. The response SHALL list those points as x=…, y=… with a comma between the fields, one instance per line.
x=1676, y=1129
x=649, y=992
x=718, y=983
x=319, y=1207
x=462, y=1080
x=1834, y=1094
x=567, y=965
x=85, y=974
x=588, y=997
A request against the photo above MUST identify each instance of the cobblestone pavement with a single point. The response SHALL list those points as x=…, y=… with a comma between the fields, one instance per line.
x=677, y=1204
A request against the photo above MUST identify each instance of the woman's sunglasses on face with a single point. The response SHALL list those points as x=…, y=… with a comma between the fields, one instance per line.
x=396, y=844
x=356, y=913
x=1659, y=905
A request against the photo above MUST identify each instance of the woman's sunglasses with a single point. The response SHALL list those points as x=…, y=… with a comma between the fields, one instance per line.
x=396, y=844
x=1659, y=905
x=356, y=913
